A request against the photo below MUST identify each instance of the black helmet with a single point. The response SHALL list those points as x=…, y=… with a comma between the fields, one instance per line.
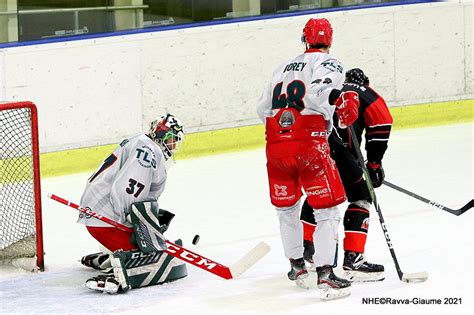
x=357, y=76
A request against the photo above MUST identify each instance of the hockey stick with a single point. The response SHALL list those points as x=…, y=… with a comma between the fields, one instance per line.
x=405, y=277
x=232, y=272
x=460, y=211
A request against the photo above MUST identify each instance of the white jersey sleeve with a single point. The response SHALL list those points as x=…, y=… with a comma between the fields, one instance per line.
x=134, y=172
x=264, y=108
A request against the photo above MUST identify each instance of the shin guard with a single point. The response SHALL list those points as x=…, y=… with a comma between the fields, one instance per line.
x=356, y=225
x=325, y=237
x=291, y=231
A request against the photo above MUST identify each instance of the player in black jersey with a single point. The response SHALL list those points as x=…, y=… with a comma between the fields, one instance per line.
x=375, y=119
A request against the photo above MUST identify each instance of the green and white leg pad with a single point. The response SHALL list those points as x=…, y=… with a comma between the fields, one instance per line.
x=135, y=269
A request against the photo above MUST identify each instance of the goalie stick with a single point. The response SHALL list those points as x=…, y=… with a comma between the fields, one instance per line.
x=232, y=272
x=405, y=277
x=460, y=211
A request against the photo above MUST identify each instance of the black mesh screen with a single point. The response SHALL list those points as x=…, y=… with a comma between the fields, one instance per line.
x=17, y=202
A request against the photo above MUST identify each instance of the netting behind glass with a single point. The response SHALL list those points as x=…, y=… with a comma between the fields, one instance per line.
x=17, y=201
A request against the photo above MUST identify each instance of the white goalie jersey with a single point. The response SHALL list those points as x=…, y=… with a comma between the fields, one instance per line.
x=135, y=171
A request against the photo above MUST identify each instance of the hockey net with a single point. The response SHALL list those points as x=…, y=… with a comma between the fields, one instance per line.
x=21, y=241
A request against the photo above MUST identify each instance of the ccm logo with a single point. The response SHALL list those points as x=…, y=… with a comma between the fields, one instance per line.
x=319, y=134
x=89, y=213
x=387, y=237
x=195, y=259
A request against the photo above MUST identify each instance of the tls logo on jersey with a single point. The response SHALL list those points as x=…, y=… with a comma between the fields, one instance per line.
x=332, y=64
x=146, y=157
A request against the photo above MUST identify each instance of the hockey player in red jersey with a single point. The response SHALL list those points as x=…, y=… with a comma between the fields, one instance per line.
x=126, y=188
x=297, y=108
x=375, y=119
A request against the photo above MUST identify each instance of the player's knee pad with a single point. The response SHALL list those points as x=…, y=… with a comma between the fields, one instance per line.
x=327, y=214
x=135, y=269
x=358, y=191
x=289, y=215
x=356, y=225
x=363, y=204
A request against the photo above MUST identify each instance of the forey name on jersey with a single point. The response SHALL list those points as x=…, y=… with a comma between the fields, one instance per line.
x=295, y=66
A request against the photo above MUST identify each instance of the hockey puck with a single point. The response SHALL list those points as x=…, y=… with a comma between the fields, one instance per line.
x=196, y=239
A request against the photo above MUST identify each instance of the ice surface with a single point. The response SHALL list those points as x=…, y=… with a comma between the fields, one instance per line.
x=224, y=199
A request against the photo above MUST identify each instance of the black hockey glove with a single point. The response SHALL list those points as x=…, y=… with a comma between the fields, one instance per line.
x=376, y=173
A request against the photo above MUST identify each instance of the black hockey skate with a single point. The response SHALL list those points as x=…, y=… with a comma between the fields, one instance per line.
x=98, y=261
x=331, y=286
x=298, y=272
x=357, y=269
x=104, y=283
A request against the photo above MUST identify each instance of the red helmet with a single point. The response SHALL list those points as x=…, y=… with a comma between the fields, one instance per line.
x=317, y=31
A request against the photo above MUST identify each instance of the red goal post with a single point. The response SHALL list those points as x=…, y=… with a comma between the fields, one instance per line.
x=21, y=241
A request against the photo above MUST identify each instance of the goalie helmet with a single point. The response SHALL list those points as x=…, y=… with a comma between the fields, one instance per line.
x=357, y=76
x=167, y=132
x=317, y=31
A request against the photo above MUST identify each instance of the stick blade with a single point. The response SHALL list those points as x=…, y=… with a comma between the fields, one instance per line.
x=468, y=206
x=250, y=259
x=415, y=277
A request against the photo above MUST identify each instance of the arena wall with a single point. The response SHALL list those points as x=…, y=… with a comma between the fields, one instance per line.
x=94, y=92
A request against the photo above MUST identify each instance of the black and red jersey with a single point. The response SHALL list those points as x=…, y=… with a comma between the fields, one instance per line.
x=374, y=118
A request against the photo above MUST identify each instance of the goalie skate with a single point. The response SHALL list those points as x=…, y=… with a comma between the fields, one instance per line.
x=331, y=287
x=98, y=261
x=357, y=269
x=104, y=283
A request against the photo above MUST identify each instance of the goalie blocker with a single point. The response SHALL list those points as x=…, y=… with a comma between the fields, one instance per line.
x=147, y=265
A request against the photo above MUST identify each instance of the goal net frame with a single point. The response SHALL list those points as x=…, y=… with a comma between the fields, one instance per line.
x=39, y=255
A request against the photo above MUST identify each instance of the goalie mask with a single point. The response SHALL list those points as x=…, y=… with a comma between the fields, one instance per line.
x=167, y=132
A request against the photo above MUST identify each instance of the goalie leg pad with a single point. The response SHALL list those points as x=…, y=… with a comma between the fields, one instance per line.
x=135, y=269
x=147, y=227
